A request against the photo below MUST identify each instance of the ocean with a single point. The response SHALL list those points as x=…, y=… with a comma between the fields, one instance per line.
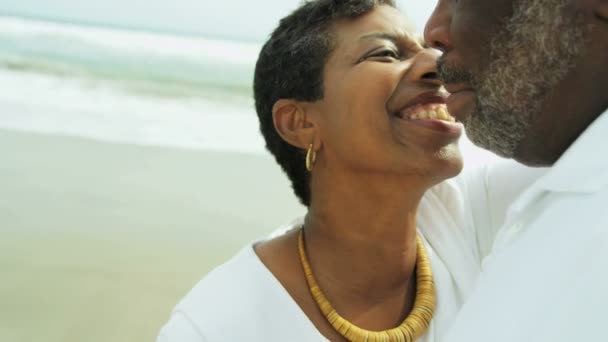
x=136, y=87
x=128, y=86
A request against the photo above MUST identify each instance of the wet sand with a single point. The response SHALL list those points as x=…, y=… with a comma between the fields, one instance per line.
x=100, y=240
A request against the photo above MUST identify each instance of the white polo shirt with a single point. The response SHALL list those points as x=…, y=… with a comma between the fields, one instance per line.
x=547, y=276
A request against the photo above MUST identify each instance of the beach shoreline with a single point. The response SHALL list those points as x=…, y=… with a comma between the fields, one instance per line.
x=100, y=240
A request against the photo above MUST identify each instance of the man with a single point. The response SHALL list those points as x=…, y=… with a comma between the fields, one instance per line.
x=530, y=82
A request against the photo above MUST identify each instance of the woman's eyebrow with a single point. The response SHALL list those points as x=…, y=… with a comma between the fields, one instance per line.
x=380, y=35
x=398, y=40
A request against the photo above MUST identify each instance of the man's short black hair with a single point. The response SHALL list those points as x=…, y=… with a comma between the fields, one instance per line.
x=290, y=66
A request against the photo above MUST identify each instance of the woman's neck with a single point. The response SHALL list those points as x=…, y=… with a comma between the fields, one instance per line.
x=361, y=240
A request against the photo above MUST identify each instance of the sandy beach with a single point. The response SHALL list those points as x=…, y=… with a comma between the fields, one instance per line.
x=100, y=240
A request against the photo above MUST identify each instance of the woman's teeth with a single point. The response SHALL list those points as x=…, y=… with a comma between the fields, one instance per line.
x=426, y=112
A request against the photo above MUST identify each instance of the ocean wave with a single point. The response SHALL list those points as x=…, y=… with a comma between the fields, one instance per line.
x=142, y=62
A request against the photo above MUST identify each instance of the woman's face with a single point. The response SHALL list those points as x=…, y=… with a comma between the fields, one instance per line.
x=380, y=91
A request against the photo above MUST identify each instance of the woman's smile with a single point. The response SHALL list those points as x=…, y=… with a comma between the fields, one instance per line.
x=431, y=116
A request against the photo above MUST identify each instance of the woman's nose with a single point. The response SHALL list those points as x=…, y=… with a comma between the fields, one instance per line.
x=424, y=68
x=437, y=30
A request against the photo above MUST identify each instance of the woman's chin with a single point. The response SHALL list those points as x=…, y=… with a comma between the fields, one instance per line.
x=447, y=163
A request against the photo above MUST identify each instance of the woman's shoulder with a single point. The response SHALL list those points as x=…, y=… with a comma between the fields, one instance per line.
x=242, y=279
x=240, y=300
x=227, y=294
x=241, y=271
x=214, y=301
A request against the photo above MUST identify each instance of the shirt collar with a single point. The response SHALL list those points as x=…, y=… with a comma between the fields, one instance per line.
x=583, y=168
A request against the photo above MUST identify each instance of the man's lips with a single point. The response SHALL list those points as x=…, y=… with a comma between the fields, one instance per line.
x=461, y=99
x=454, y=88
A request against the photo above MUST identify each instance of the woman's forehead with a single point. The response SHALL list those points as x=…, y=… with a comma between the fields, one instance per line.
x=382, y=22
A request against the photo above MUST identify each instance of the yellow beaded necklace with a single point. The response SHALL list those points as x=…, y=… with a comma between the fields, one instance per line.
x=414, y=325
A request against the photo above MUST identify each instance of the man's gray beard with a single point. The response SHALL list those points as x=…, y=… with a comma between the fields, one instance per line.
x=530, y=55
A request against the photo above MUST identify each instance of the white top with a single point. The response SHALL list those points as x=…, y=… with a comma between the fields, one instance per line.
x=547, y=278
x=241, y=300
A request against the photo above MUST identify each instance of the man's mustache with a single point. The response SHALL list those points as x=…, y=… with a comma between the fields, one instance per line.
x=453, y=73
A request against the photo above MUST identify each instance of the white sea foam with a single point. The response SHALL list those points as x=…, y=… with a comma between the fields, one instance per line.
x=53, y=105
x=142, y=61
x=127, y=86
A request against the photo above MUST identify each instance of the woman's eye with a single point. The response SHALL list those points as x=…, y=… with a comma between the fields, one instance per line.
x=386, y=54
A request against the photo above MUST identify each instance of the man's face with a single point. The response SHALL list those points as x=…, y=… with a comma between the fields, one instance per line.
x=502, y=58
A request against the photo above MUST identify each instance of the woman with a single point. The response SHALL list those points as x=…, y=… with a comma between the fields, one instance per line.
x=351, y=107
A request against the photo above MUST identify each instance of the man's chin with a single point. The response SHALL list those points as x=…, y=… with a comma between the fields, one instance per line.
x=492, y=135
x=531, y=151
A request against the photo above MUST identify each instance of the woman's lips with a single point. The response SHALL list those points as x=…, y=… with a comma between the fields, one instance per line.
x=451, y=128
x=426, y=111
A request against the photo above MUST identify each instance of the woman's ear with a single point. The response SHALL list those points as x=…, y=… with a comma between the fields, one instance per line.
x=293, y=124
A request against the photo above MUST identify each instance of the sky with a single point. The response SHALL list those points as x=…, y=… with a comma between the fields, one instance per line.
x=250, y=20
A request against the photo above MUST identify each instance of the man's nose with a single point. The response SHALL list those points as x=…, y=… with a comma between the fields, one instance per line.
x=437, y=30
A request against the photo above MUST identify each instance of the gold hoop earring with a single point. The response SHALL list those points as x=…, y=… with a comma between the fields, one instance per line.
x=311, y=158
